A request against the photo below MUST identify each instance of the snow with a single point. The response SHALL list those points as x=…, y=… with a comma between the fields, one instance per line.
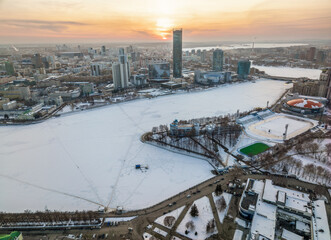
x=264, y=220
x=119, y=219
x=175, y=213
x=288, y=235
x=320, y=221
x=159, y=231
x=273, y=128
x=200, y=222
x=290, y=72
x=227, y=198
x=304, y=104
x=83, y=160
x=241, y=222
x=303, y=227
x=147, y=236
x=238, y=234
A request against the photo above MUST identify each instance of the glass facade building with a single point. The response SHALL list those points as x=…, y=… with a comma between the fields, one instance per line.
x=243, y=68
x=177, y=53
x=218, y=60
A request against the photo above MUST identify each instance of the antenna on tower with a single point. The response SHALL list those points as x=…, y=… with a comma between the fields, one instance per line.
x=253, y=44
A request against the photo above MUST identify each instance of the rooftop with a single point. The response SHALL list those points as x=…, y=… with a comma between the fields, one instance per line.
x=305, y=103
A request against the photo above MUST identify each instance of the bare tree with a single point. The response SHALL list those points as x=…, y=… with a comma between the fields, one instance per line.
x=210, y=227
x=190, y=225
x=169, y=221
x=221, y=204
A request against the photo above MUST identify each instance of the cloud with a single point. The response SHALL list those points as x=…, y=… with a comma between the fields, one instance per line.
x=54, y=26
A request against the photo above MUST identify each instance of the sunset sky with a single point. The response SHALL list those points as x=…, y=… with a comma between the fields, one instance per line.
x=152, y=20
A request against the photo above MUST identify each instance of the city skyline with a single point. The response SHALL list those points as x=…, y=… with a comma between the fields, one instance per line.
x=39, y=21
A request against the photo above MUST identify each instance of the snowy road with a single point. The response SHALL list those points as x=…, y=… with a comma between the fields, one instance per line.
x=87, y=159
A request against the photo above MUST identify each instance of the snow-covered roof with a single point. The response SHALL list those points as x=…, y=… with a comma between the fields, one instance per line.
x=301, y=226
x=297, y=204
x=262, y=226
x=281, y=197
x=287, y=235
x=238, y=234
x=270, y=192
x=294, y=199
x=258, y=186
x=321, y=229
x=267, y=210
x=264, y=220
x=305, y=103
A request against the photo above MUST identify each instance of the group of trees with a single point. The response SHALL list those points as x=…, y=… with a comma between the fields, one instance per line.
x=48, y=216
x=288, y=158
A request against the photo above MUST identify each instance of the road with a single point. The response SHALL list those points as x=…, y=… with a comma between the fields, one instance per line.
x=147, y=216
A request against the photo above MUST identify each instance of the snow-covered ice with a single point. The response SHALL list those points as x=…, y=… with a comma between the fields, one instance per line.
x=77, y=161
x=294, y=72
x=200, y=222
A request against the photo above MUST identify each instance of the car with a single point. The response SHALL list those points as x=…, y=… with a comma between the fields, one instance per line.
x=194, y=193
x=222, y=179
x=198, y=191
x=188, y=196
x=170, y=204
x=173, y=203
x=210, y=184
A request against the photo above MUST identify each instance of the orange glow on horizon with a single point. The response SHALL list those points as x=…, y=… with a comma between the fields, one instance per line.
x=150, y=20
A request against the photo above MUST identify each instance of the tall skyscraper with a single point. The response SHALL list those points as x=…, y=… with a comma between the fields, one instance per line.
x=177, y=53
x=103, y=50
x=121, y=71
x=243, y=68
x=9, y=67
x=311, y=54
x=218, y=60
x=36, y=61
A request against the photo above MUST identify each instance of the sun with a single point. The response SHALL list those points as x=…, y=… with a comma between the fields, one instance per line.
x=163, y=27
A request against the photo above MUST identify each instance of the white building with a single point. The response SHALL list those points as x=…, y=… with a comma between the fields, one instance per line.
x=121, y=71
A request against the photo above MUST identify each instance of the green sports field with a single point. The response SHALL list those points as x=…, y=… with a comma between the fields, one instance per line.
x=254, y=149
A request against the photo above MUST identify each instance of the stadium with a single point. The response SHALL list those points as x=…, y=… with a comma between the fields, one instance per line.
x=304, y=106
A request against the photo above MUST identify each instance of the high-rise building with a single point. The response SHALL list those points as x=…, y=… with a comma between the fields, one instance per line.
x=177, y=53
x=243, y=68
x=103, y=50
x=218, y=60
x=203, y=56
x=95, y=69
x=9, y=67
x=121, y=71
x=36, y=61
x=321, y=56
x=159, y=71
x=311, y=54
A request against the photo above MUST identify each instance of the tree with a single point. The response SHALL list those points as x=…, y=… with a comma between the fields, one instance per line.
x=328, y=149
x=210, y=227
x=190, y=226
x=194, y=211
x=169, y=221
x=218, y=190
x=221, y=204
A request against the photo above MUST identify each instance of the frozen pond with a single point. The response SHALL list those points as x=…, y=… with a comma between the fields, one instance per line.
x=290, y=72
x=80, y=160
